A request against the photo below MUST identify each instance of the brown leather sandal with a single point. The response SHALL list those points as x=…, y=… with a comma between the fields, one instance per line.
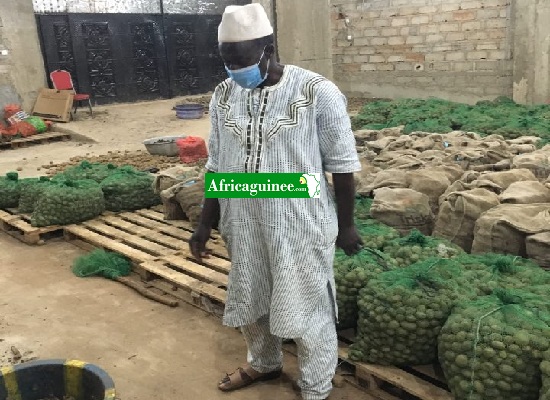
x=240, y=379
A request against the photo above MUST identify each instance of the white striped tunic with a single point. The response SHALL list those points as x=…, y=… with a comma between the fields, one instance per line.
x=281, y=249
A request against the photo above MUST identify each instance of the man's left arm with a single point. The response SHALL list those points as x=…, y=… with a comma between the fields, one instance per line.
x=340, y=158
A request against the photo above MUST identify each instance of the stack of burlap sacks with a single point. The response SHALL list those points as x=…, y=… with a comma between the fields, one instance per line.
x=483, y=194
x=181, y=190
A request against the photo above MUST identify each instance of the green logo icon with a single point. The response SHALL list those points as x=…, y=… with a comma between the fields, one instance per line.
x=262, y=185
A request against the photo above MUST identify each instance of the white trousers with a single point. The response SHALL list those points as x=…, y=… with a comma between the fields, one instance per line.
x=317, y=350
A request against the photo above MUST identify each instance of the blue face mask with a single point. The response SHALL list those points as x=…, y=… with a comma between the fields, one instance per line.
x=249, y=77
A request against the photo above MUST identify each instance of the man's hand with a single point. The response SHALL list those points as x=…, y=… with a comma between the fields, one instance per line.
x=349, y=241
x=197, y=243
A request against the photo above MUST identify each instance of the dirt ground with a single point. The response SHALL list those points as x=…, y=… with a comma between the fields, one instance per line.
x=114, y=127
x=150, y=350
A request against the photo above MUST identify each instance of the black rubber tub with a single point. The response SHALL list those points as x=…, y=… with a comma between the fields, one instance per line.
x=59, y=379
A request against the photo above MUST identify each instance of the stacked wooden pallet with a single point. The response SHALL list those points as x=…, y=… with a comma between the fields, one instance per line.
x=35, y=139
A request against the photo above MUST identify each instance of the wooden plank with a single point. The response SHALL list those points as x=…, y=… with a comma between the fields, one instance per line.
x=399, y=378
x=185, y=281
x=158, y=216
x=172, y=230
x=431, y=371
x=109, y=244
x=141, y=231
x=134, y=240
x=216, y=263
x=196, y=269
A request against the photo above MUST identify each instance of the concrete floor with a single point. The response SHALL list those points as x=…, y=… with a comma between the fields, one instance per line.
x=150, y=350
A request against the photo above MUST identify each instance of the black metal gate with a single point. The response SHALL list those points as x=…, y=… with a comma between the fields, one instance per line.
x=131, y=57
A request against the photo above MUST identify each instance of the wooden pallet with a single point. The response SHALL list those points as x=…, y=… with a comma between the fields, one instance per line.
x=424, y=382
x=41, y=138
x=19, y=226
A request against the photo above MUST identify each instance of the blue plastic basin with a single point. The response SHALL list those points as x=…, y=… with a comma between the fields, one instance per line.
x=190, y=111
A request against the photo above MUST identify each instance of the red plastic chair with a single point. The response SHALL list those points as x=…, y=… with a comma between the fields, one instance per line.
x=62, y=80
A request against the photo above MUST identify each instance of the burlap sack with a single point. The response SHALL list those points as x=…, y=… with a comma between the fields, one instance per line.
x=503, y=229
x=460, y=185
x=526, y=192
x=380, y=144
x=499, y=181
x=459, y=212
x=170, y=207
x=432, y=156
x=389, y=178
x=537, y=162
x=424, y=144
x=430, y=181
x=525, y=140
x=403, y=209
x=365, y=178
x=190, y=196
x=407, y=159
x=168, y=178
x=538, y=248
x=522, y=148
x=401, y=143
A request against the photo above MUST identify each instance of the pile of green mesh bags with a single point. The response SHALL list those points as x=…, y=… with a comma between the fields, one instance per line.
x=487, y=272
x=128, y=189
x=492, y=348
x=9, y=190
x=63, y=202
x=402, y=311
x=502, y=116
x=86, y=170
x=351, y=274
x=416, y=247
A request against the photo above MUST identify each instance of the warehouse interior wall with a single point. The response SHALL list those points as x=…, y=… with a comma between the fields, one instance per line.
x=531, y=51
x=21, y=64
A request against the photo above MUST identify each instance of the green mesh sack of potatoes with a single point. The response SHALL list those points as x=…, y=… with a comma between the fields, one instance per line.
x=128, y=189
x=9, y=190
x=351, y=274
x=30, y=193
x=86, y=170
x=374, y=234
x=402, y=311
x=68, y=202
x=488, y=272
x=416, y=247
x=492, y=348
x=545, y=372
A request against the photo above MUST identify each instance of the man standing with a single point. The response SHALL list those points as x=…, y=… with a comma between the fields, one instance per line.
x=269, y=117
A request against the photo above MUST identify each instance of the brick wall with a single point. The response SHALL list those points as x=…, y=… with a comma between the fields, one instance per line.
x=455, y=49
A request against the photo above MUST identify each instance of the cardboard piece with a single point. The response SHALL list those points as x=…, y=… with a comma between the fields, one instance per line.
x=54, y=105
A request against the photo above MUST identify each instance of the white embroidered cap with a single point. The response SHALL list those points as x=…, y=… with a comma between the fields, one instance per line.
x=241, y=23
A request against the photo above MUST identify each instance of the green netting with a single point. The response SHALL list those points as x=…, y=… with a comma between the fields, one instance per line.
x=416, y=247
x=491, y=348
x=128, y=190
x=101, y=263
x=488, y=272
x=9, y=190
x=362, y=208
x=30, y=193
x=402, y=311
x=502, y=116
x=67, y=202
x=38, y=124
x=86, y=170
x=351, y=274
x=374, y=234
x=545, y=375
